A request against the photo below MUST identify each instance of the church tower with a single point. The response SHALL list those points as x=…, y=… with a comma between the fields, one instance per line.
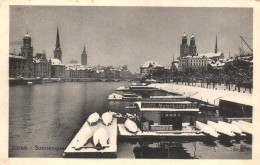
x=184, y=47
x=216, y=45
x=57, y=51
x=84, y=57
x=27, y=49
x=192, y=47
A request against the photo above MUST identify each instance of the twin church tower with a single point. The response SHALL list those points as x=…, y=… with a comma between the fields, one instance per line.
x=58, y=52
x=186, y=49
x=191, y=49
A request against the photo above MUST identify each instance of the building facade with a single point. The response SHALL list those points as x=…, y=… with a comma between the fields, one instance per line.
x=150, y=66
x=17, y=66
x=22, y=65
x=77, y=71
x=42, y=65
x=193, y=63
x=57, y=69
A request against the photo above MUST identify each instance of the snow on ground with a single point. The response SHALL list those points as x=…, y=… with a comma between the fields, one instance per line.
x=212, y=96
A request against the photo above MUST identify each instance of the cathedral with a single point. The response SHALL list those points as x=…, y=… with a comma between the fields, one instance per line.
x=186, y=49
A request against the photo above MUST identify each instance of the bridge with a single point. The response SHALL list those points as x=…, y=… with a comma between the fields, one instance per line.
x=97, y=79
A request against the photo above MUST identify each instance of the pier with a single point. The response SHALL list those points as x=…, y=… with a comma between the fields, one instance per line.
x=89, y=151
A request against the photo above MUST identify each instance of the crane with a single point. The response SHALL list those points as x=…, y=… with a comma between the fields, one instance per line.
x=246, y=43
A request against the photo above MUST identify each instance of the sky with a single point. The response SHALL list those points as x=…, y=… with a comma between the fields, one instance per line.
x=129, y=35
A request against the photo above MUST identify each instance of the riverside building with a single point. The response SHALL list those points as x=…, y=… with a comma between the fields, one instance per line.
x=42, y=65
x=189, y=59
x=22, y=65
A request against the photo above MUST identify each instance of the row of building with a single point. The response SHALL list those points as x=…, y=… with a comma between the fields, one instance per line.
x=77, y=71
x=25, y=65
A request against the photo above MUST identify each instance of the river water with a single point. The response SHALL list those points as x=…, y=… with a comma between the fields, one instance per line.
x=49, y=115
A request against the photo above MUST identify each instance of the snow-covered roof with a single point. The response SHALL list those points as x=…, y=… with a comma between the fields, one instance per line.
x=16, y=56
x=56, y=62
x=27, y=35
x=151, y=63
x=211, y=55
x=189, y=56
x=77, y=67
x=99, y=71
x=211, y=96
x=216, y=64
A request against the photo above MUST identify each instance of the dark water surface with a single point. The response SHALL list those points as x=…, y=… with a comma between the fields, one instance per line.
x=44, y=118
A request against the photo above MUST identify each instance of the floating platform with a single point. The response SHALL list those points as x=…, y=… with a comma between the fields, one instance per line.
x=186, y=132
x=89, y=151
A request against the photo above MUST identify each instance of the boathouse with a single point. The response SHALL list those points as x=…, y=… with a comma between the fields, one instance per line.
x=165, y=116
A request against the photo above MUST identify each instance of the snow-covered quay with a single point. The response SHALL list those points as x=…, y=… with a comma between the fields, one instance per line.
x=211, y=96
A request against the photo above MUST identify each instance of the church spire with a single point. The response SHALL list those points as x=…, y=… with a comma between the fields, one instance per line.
x=84, y=50
x=58, y=38
x=216, y=45
x=57, y=51
x=84, y=57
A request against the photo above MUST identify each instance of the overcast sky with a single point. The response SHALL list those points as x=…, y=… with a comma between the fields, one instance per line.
x=129, y=35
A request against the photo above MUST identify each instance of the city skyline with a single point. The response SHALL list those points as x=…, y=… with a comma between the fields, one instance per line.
x=128, y=35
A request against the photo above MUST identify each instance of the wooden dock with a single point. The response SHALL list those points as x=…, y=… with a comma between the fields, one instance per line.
x=89, y=151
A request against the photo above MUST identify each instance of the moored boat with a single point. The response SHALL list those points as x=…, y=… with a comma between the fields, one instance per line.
x=234, y=128
x=83, y=138
x=115, y=96
x=122, y=88
x=131, y=126
x=207, y=129
x=107, y=118
x=93, y=119
x=246, y=129
x=100, y=138
x=131, y=96
x=245, y=123
x=221, y=129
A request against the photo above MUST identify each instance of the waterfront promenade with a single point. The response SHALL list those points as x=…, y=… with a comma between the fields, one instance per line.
x=211, y=96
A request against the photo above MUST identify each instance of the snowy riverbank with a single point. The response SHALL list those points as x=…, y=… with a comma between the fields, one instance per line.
x=212, y=96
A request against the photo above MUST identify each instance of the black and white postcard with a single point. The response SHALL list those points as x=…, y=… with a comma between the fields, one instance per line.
x=86, y=80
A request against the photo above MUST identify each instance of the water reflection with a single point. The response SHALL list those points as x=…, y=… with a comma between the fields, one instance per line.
x=49, y=115
x=162, y=150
